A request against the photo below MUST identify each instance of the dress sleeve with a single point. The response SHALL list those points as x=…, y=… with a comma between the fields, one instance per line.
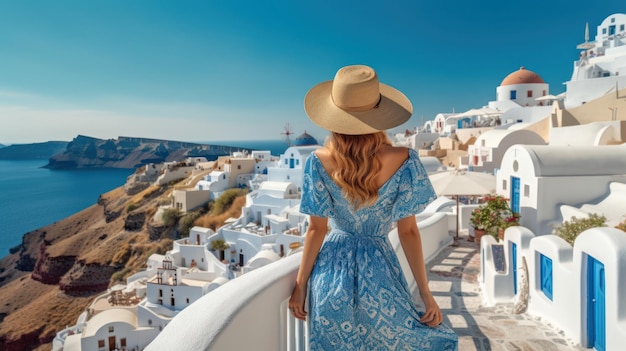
x=415, y=191
x=316, y=199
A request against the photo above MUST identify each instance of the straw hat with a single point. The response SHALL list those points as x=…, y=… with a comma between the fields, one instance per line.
x=356, y=103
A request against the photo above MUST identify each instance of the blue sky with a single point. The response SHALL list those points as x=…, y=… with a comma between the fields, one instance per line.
x=233, y=70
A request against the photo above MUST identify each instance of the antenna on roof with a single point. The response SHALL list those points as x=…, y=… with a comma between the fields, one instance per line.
x=586, y=45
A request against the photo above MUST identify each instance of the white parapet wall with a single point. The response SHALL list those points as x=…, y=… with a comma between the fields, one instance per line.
x=580, y=289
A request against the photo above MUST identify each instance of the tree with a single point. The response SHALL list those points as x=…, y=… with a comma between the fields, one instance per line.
x=221, y=245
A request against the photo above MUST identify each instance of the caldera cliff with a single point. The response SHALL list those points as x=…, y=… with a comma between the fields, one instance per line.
x=129, y=152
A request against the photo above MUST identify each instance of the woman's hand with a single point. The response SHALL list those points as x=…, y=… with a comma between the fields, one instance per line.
x=296, y=302
x=433, y=316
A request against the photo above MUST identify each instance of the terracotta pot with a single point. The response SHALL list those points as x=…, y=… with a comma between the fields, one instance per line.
x=478, y=234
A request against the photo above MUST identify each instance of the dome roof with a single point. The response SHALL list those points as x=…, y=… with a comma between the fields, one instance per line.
x=523, y=76
x=305, y=139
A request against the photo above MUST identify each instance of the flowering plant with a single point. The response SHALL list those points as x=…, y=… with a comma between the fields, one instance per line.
x=482, y=218
x=494, y=213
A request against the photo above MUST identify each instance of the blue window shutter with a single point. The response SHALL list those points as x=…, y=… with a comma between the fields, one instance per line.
x=546, y=276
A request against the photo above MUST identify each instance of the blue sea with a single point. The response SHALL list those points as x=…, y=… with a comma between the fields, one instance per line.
x=32, y=197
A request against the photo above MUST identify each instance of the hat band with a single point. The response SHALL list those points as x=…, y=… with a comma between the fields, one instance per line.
x=359, y=108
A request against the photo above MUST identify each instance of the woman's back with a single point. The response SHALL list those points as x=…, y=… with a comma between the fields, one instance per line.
x=396, y=181
x=390, y=157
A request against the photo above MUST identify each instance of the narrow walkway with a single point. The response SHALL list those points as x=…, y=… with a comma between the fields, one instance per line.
x=453, y=276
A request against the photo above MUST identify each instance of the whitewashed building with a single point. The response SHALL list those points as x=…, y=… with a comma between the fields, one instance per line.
x=601, y=68
x=540, y=178
x=486, y=154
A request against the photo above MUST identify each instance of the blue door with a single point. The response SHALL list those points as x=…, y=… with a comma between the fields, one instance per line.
x=515, y=194
x=514, y=264
x=291, y=162
x=596, y=304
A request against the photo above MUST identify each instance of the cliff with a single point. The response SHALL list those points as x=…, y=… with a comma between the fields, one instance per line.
x=48, y=280
x=57, y=271
x=128, y=152
x=35, y=151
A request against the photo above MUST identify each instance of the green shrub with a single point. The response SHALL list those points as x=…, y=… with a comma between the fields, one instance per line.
x=170, y=216
x=120, y=275
x=621, y=226
x=131, y=207
x=219, y=244
x=570, y=230
x=186, y=223
x=226, y=199
x=165, y=200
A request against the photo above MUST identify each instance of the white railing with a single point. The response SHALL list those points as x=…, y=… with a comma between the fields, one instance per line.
x=250, y=312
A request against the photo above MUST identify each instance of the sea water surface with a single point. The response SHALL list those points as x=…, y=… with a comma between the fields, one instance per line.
x=32, y=197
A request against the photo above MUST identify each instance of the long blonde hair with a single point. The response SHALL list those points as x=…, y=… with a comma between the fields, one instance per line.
x=357, y=165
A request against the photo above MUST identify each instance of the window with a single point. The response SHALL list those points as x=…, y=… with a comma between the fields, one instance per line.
x=621, y=28
x=546, y=276
x=513, y=94
x=529, y=93
x=603, y=30
x=123, y=342
x=613, y=20
x=111, y=329
x=503, y=184
x=611, y=30
x=187, y=300
x=297, y=162
x=286, y=161
x=238, y=166
x=544, y=93
x=526, y=190
x=100, y=343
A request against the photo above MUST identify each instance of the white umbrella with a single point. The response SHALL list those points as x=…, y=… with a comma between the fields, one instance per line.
x=462, y=183
x=485, y=111
x=550, y=97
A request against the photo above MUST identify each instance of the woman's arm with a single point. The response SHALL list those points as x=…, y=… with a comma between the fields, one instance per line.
x=315, y=234
x=411, y=242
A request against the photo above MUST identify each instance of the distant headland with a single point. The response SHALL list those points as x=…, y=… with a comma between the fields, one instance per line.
x=124, y=152
x=34, y=151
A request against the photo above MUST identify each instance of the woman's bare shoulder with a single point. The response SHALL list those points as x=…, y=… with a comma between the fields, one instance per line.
x=394, y=154
x=325, y=157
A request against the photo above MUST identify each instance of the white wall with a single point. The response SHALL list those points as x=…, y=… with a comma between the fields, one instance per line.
x=172, y=175
x=567, y=309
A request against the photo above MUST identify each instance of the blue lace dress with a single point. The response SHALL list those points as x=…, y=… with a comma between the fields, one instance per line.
x=359, y=298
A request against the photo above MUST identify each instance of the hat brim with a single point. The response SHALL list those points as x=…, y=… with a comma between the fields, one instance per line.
x=393, y=110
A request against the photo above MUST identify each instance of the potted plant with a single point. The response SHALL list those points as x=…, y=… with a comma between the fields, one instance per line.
x=493, y=216
x=509, y=219
x=480, y=221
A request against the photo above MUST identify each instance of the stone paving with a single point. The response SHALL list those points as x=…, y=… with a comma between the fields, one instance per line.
x=453, y=278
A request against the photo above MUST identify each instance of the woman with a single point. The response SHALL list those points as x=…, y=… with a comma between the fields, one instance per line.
x=354, y=189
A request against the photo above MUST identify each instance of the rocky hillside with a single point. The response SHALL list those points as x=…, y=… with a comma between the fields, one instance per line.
x=35, y=151
x=47, y=281
x=127, y=152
